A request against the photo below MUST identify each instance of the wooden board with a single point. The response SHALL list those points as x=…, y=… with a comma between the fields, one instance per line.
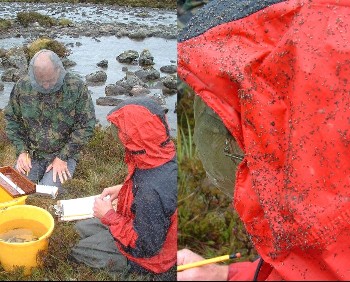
x=20, y=180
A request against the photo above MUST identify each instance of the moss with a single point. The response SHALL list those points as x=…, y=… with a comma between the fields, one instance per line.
x=47, y=43
x=5, y=24
x=65, y=22
x=26, y=18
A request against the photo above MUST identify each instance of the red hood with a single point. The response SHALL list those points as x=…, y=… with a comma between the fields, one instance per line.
x=279, y=79
x=142, y=133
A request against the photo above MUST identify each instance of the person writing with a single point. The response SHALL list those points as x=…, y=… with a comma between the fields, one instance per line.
x=50, y=116
x=139, y=235
x=276, y=74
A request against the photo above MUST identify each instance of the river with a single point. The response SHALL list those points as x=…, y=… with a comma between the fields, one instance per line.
x=87, y=51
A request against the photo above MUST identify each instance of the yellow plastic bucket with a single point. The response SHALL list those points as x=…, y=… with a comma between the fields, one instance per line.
x=6, y=200
x=24, y=254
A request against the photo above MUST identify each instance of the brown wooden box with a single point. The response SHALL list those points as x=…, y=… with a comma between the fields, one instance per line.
x=20, y=180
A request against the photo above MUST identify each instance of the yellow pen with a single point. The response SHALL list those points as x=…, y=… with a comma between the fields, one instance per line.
x=207, y=261
x=27, y=172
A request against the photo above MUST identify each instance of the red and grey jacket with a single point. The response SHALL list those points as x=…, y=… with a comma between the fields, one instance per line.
x=144, y=225
x=277, y=73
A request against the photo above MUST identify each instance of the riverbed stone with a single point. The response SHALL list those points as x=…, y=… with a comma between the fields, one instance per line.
x=128, y=57
x=138, y=91
x=169, y=69
x=108, y=101
x=97, y=77
x=170, y=81
x=146, y=58
x=129, y=81
x=67, y=63
x=103, y=64
x=115, y=90
x=168, y=91
x=147, y=74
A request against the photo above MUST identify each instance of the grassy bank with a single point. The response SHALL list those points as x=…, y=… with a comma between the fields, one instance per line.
x=164, y=4
x=101, y=165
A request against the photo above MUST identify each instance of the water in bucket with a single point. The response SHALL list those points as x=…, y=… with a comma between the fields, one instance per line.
x=19, y=234
x=24, y=233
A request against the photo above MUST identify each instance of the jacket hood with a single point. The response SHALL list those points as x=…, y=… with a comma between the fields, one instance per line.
x=278, y=77
x=144, y=132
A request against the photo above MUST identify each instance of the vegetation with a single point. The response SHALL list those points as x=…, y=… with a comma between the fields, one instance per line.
x=101, y=165
x=208, y=223
x=164, y=4
x=46, y=43
x=65, y=22
x=4, y=24
x=26, y=18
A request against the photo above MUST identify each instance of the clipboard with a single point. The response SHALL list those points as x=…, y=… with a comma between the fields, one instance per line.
x=14, y=183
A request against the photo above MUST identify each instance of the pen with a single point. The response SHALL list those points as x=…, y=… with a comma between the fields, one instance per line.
x=27, y=172
x=207, y=261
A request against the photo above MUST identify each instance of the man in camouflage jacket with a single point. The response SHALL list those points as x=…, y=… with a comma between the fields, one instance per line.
x=49, y=117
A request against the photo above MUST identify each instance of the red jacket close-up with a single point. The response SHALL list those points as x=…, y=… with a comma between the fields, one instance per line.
x=277, y=74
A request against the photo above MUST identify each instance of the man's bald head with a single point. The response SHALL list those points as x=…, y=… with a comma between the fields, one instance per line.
x=43, y=61
x=47, y=71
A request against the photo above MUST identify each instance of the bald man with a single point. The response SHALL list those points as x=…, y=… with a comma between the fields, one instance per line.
x=50, y=116
x=46, y=71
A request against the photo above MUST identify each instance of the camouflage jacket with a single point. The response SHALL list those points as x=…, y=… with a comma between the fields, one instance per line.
x=50, y=125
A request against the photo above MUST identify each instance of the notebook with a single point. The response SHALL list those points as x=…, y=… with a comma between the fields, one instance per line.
x=75, y=209
x=78, y=208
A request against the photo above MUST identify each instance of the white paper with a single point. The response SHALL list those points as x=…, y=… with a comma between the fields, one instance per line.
x=79, y=208
x=47, y=190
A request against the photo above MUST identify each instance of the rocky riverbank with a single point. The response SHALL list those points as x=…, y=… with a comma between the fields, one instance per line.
x=91, y=20
x=119, y=51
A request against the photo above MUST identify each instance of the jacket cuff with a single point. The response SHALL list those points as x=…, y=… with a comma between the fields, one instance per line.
x=20, y=150
x=107, y=219
x=64, y=154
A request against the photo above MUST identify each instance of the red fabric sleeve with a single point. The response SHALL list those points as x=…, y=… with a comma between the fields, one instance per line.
x=121, y=228
x=242, y=271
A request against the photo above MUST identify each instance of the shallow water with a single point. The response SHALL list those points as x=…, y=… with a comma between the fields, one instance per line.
x=93, y=50
x=91, y=13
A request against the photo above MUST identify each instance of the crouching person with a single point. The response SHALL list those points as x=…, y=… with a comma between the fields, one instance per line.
x=139, y=233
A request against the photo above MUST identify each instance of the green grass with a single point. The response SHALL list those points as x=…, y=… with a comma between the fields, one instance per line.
x=101, y=165
x=186, y=146
x=26, y=18
x=4, y=24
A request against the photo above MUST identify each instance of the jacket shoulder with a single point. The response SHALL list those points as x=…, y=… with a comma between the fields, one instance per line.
x=23, y=83
x=73, y=80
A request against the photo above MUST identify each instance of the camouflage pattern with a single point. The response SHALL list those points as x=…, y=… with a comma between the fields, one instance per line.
x=50, y=125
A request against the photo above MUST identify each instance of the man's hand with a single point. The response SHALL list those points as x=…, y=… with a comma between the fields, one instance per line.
x=59, y=168
x=209, y=272
x=24, y=163
x=112, y=191
x=101, y=207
